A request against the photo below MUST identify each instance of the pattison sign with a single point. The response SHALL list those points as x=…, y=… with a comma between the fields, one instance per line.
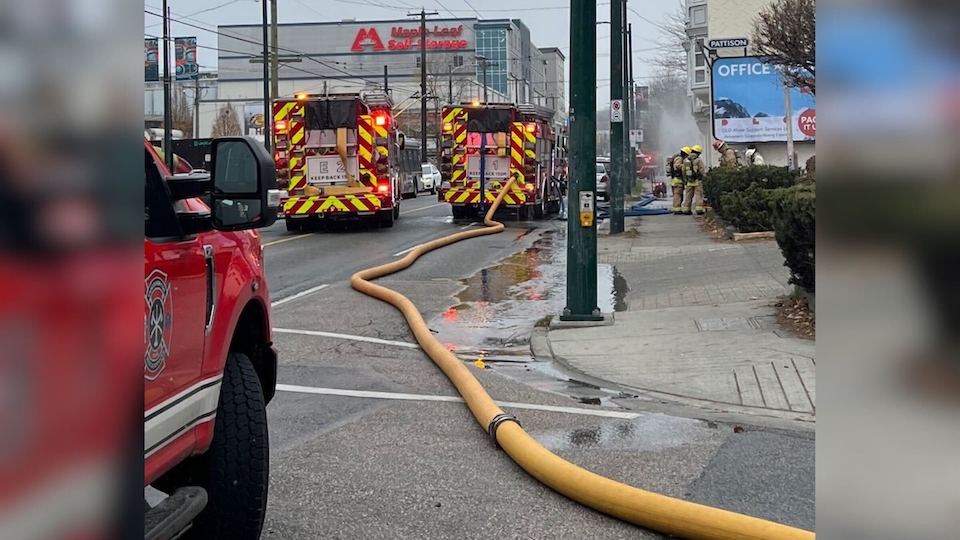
x=408, y=38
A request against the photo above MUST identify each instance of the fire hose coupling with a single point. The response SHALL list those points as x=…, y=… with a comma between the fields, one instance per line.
x=495, y=423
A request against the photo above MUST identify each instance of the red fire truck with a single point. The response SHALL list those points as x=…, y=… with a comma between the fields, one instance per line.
x=338, y=155
x=483, y=145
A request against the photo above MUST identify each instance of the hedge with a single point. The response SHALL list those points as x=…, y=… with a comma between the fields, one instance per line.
x=748, y=209
x=721, y=180
x=793, y=213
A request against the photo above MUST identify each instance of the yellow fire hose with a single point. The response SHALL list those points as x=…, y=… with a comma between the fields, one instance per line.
x=644, y=508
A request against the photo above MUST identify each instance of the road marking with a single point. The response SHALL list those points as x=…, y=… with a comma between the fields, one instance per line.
x=350, y=337
x=287, y=239
x=450, y=399
x=404, y=252
x=299, y=295
x=421, y=208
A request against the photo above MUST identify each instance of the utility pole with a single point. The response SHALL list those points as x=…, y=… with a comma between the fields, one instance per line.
x=196, y=107
x=423, y=79
x=267, y=110
x=618, y=175
x=450, y=83
x=789, y=108
x=483, y=66
x=629, y=159
x=275, y=57
x=167, y=112
x=386, y=79
x=582, y=239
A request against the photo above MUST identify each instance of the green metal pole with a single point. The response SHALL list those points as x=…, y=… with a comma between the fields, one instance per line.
x=582, y=241
x=618, y=176
x=629, y=158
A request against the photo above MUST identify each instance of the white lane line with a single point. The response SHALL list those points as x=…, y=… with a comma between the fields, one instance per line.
x=404, y=252
x=299, y=295
x=449, y=399
x=420, y=209
x=287, y=239
x=349, y=337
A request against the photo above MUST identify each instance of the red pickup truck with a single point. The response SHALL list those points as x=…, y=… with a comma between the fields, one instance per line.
x=209, y=364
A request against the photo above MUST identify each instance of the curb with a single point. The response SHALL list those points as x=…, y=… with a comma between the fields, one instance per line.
x=654, y=401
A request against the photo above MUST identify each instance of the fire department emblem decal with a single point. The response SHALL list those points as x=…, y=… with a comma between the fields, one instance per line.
x=158, y=326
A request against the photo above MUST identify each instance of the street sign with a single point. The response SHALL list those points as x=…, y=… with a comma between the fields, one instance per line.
x=616, y=110
x=731, y=43
x=636, y=137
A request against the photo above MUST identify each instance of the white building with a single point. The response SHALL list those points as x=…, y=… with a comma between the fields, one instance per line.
x=764, y=125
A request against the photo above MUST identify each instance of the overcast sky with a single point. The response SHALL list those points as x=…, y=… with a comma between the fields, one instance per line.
x=548, y=21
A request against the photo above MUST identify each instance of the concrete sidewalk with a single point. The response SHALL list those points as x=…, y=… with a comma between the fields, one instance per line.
x=700, y=326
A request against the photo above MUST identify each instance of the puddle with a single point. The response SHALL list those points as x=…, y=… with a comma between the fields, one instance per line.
x=500, y=305
x=546, y=377
x=650, y=432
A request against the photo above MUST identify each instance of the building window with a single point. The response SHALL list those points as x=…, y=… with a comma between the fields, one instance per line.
x=457, y=60
x=699, y=62
x=492, y=45
x=698, y=15
x=418, y=62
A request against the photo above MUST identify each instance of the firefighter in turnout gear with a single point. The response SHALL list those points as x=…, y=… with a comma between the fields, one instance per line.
x=677, y=178
x=728, y=156
x=693, y=176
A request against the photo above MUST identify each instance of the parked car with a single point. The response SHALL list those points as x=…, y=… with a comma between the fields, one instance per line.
x=429, y=177
x=603, y=179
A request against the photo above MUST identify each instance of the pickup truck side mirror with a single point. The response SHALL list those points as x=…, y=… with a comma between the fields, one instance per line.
x=245, y=194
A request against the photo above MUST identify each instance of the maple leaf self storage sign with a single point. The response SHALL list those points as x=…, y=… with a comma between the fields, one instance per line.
x=402, y=38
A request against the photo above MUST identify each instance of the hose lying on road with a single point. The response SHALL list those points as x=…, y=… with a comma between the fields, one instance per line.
x=646, y=509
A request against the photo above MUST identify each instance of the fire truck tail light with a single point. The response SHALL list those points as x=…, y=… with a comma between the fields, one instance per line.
x=531, y=128
x=380, y=119
x=280, y=126
x=529, y=187
x=383, y=188
x=447, y=126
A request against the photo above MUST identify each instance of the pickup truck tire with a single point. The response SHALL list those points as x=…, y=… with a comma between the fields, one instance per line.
x=238, y=461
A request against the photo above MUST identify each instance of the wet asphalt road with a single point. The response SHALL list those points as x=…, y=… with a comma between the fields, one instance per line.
x=356, y=467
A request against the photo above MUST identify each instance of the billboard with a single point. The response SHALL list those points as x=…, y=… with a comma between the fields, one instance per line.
x=749, y=104
x=151, y=59
x=186, y=58
x=253, y=119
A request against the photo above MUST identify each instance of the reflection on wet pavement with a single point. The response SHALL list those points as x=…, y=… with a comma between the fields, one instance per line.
x=499, y=305
x=649, y=432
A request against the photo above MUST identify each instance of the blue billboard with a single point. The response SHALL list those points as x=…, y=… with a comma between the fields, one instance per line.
x=749, y=104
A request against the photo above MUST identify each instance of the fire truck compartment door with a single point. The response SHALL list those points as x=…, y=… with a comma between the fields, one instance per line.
x=495, y=168
x=329, y=170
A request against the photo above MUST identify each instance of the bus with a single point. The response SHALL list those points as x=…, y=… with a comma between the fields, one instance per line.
x=409, y=168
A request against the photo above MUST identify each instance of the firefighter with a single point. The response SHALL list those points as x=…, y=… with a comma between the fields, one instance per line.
x=753, y=156
x=728, y=156
x=677, y=178
x=693, y=177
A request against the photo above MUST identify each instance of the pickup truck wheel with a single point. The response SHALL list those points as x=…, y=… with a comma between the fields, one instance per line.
x=238, y=461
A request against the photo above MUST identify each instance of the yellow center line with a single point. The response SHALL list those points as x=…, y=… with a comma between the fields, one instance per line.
x=282, y=240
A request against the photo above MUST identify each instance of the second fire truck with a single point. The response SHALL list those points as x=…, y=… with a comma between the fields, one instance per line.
x=338, y=155
x=483, y=145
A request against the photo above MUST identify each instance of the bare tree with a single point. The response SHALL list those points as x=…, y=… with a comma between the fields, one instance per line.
x=182, y=112
x=671, y=51
x=227, y=122
x=785, y=33
x=446, y=86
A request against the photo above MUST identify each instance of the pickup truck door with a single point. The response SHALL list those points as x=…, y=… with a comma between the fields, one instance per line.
x=175, y=321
